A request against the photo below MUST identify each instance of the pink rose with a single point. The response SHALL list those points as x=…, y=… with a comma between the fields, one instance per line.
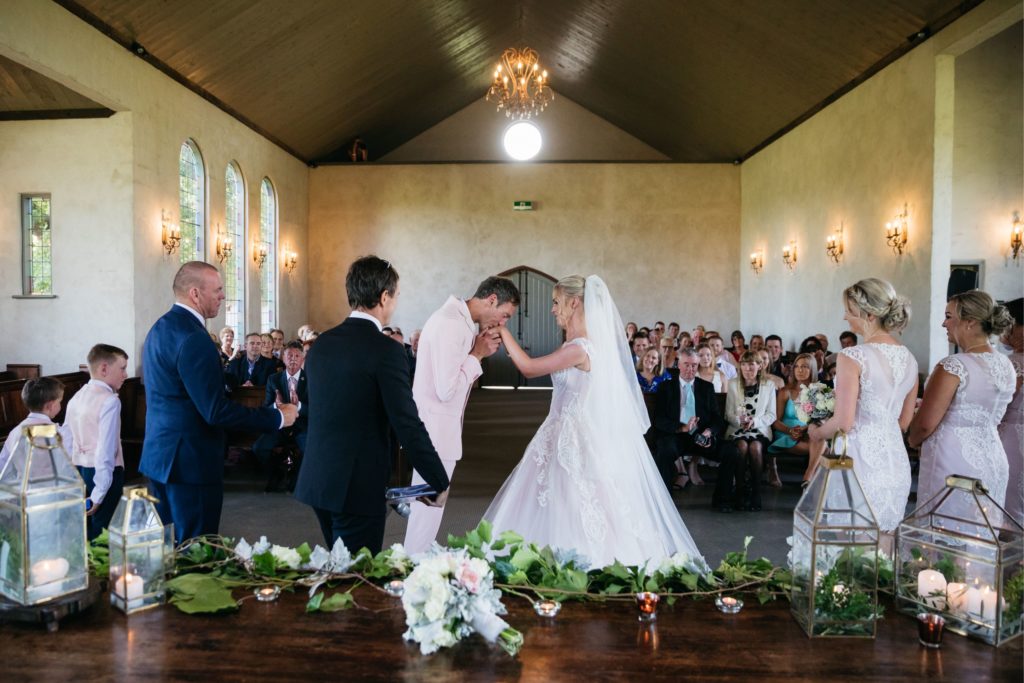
x=469, y=578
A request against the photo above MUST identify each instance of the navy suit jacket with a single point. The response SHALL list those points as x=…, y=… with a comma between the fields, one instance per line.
x=186, y=409
x=278, y=384
x=237, y=371
x=668, y=405
x=359, y=391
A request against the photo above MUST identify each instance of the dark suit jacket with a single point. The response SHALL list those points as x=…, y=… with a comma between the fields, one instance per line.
x=237, y=372
x=668, y=404
x=186, y=409
x=278, y=384
x=358, y=388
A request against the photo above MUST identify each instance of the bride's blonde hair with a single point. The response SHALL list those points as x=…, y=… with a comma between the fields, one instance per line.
x=879, y=298
x=572, y=286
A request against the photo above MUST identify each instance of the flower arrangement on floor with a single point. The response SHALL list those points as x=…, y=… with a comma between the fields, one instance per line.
x=449, y=592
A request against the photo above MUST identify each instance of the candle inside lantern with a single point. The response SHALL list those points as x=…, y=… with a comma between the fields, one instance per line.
x=647, y=603
x=931, y=588
x=547, y=608
x=956, y=597
x=130, y=588
x=929, y=629
x=45, y=571
x=981, y=603
x=395, y=588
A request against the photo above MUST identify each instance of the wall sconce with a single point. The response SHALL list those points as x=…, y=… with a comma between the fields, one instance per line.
x=224, y=246
x=170, y=234
x=259, y=255
x=789, y=255
x=896, y=232
x=757, y=261
x=1016, y=241
x=834, y=244
x=291, y=259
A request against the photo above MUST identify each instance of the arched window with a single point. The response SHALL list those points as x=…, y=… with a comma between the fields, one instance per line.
x=268, y=247
x=234, y=264
x=191, y=192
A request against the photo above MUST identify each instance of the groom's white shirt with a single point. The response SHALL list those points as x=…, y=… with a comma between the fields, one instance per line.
x=445, y=372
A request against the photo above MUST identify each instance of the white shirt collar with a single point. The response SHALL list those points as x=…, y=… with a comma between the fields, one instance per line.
x=295, y=376
x=367, y=316
x=39, y=417
x=100, y=383
x=192, y=311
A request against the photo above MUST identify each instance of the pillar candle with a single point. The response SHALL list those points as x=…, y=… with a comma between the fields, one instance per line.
x=929, y=584
x=981, y=603
x=956, y=597
x=130, y=587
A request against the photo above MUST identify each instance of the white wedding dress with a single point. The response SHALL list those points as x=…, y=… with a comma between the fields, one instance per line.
x=587, y=480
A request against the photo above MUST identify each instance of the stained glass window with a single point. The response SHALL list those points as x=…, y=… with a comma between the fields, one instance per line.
x=192, y=192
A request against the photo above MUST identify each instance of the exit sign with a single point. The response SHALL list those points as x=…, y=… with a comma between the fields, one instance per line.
x=522, y=206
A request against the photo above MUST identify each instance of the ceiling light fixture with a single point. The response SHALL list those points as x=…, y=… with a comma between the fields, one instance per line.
x=520, y=84
x=522, y=140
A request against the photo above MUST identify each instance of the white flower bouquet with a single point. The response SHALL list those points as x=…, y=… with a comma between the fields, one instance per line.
x=816, y=403
x=450, y=595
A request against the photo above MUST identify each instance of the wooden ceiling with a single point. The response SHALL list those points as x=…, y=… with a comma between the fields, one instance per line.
x=27, y=94
x=699, y=80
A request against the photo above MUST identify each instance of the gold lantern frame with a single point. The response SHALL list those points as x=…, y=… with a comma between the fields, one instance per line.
x=136, y=531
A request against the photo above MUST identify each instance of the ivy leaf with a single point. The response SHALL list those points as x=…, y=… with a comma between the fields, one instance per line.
x=264, y=563
x=304, y=552
x=509, y=538
x=337, y=602
x=314, y=603
x=689, y=580
x=518, y=577
x=524, y=558
x=200, y=594
x=483, y=529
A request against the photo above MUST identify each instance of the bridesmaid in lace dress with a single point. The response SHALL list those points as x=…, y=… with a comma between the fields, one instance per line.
x=876, y=388
x=1011, y=429
x=964, y=401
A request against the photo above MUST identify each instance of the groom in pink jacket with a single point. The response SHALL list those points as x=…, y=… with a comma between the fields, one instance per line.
x=447, y=364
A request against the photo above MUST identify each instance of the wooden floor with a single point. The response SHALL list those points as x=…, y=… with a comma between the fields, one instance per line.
x=280, y=642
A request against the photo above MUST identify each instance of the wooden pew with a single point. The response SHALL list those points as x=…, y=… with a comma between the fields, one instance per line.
x=25, y=371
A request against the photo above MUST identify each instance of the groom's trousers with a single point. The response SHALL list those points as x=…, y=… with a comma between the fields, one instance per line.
x=424, y=520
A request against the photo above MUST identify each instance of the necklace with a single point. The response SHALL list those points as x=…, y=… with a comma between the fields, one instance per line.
x=970, y=348
x=872, y=336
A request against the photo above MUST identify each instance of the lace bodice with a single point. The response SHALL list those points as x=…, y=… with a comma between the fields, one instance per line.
x=571, y=385
x=987, y=381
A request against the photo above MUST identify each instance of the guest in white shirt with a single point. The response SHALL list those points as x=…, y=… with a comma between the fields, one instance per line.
x=750, y=411
x=707, y=370
x=723, y=359
x=42, y=396
x=94, y=416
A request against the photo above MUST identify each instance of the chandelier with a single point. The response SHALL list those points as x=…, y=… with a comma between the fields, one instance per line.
x=520, y=84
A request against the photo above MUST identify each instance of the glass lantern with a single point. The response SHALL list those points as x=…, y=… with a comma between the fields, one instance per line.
x=141, y=552
x=835, y=557
x=962, y=555
x=42, y=520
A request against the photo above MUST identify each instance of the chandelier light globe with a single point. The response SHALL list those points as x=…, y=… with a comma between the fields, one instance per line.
x=520, y=85
x=522, y=140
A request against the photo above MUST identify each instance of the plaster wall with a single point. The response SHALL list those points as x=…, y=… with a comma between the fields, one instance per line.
x=663, y=236
x=49, y=39
x=86, y=167
x=988, y=158
x=569, y=133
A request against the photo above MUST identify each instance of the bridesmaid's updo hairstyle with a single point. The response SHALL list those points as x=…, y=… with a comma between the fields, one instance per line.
x=878, y=298
x=572, y=286
x=979, y=306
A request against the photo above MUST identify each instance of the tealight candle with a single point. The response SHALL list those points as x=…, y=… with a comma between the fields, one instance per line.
x=130, y=589
x=45, y=571
x=931, y=588
x=547, y=608
x=647, y=603
x=267, y=593
x=929, y=629
x=395, y=588
x=728, y=605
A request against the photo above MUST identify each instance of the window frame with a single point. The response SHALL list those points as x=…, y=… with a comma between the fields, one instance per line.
x=270, y=277
x=238, y=258
x=198, y=253
x=27, y=199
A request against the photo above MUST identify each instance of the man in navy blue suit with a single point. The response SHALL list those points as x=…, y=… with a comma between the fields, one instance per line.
x=251, y=369
x=186, y=409
x=287, y=386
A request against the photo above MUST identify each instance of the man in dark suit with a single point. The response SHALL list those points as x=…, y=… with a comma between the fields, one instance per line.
x=687, y=422
x=186, y=409
x=359, y=391
x=251, y=369
x=287, y=386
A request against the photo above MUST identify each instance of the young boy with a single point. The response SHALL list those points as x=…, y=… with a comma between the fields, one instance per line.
x=42, y=396
x=94, y=415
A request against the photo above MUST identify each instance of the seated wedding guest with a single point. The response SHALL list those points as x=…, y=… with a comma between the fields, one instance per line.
x=649, y=372
x=790, y=432
x=847, y=339
x=645, y=331
x=828, y=377
x=659, y=327
x=669, y=360
x=812, y=345
x=673, y=330
x=42, y=397
x=684, y=341
x=654, y=336
x=698, y=335
x=750, y=412
x=640, y=344
x=287, y=386
x=277, y=336
x=773, y=343
x=1011, y=429
x=756, y=342
x=267, y=351
x=303, y=332
x=308, y=342
x=251, y=370
x=94, y=417
x=708, y=371
x=631, y=330
x=965, y=398
x=227, y=345
x=738, y=344
x=687, y=423
x=823, y=340
x=723, y=359
x=766, y=365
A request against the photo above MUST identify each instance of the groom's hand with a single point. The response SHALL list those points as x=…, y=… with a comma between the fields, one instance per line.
x=437, y=501
x=486, y=343
x=289, y=412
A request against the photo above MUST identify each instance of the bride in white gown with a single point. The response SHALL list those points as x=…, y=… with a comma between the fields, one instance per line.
x=587, y=480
